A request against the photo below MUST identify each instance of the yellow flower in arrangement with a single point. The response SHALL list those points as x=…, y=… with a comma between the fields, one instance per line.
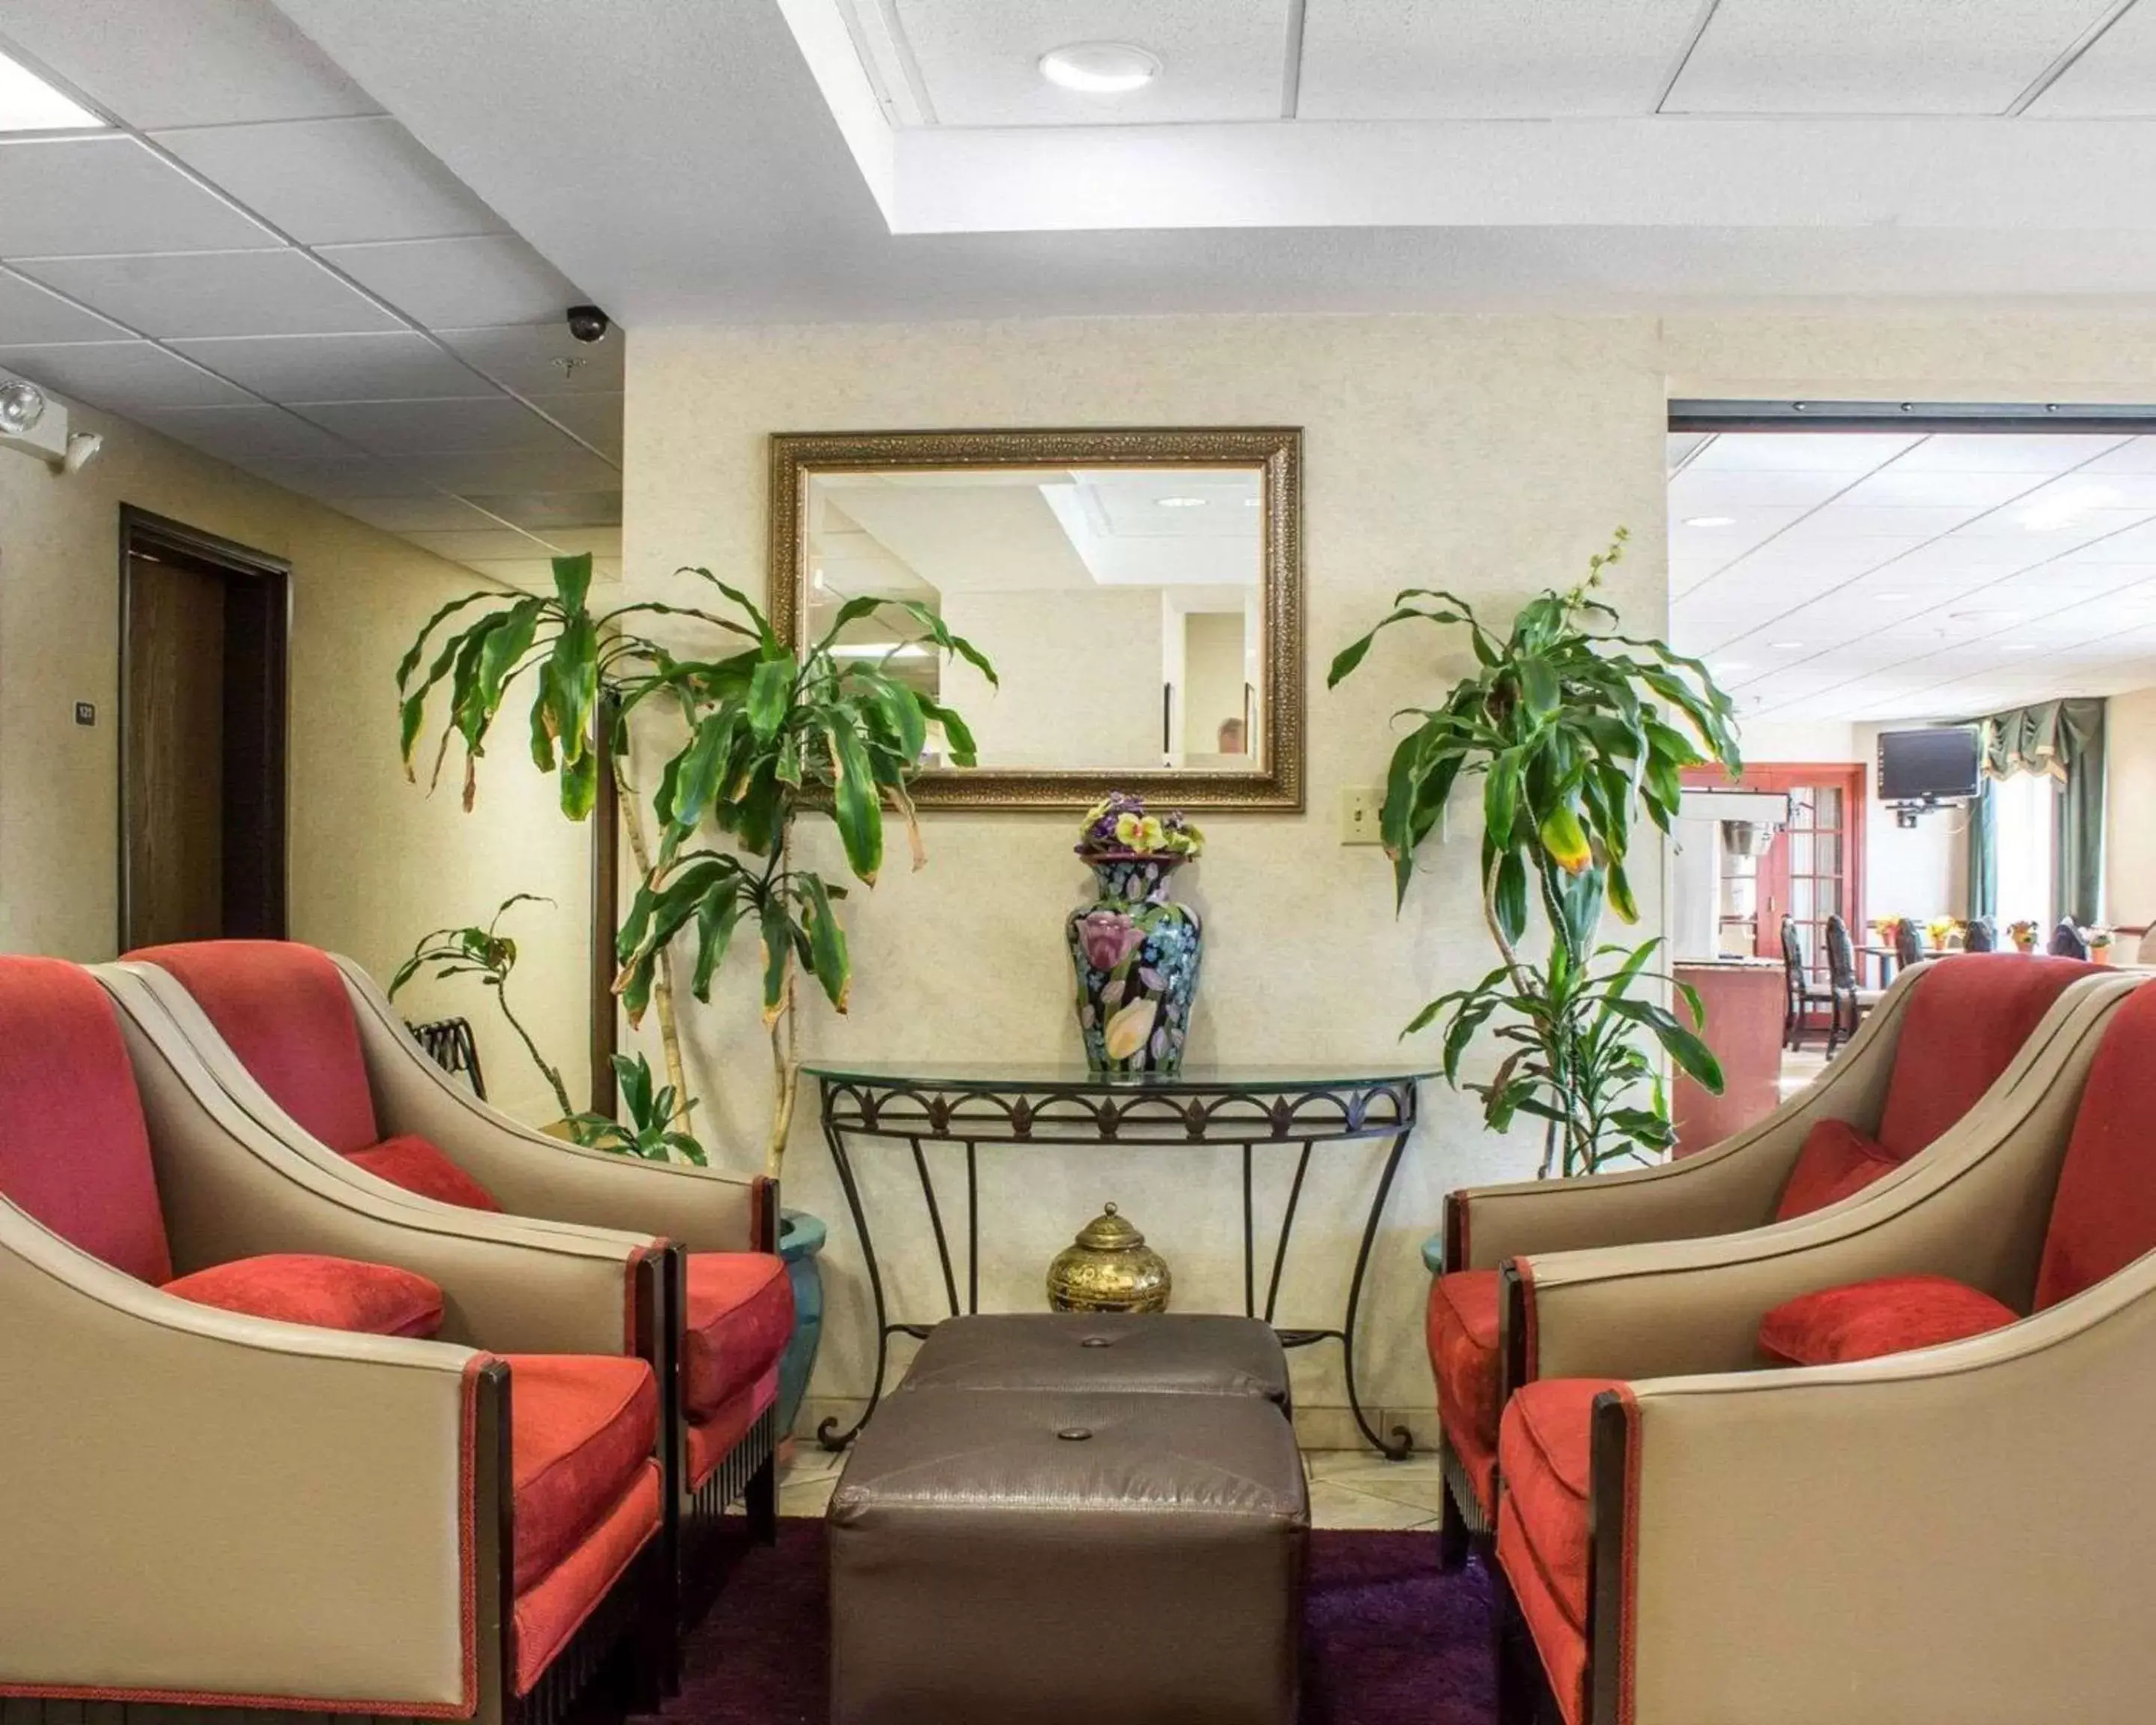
x=1127, y=829
x=1120, y=823
x=1939, y=927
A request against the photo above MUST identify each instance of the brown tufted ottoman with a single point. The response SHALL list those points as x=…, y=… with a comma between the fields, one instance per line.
x=1056, y=1558
x=1197, y=1353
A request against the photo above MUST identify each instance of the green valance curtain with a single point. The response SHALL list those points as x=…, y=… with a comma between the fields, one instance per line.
x=2061, y=740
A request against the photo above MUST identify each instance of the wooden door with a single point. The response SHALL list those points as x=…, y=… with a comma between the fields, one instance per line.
x=202, y=789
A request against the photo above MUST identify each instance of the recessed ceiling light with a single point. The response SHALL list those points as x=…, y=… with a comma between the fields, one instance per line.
x=1982, y=616
x=29, y=104
x=1784, y=646
x=1727, y=666
x=1710, y=521
x=1100, y=67
x=1250, y=503
x=1180, y=502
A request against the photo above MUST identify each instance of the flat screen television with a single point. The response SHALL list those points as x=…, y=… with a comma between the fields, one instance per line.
x=1936, y=764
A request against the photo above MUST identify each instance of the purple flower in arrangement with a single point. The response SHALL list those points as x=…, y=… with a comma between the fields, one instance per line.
x=1108, y=937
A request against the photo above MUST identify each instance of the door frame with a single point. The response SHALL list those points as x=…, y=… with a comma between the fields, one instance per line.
x=144, y=529
x=1795, y=772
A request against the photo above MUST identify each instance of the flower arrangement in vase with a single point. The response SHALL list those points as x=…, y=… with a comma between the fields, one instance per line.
x=1134, y=949
x=2024, y=935
x=2099, y=942
x=1941, y=929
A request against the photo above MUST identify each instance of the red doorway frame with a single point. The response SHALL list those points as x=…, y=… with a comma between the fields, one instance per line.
x=1853, y=779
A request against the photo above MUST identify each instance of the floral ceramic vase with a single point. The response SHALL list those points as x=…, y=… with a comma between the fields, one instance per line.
x=1136, y=953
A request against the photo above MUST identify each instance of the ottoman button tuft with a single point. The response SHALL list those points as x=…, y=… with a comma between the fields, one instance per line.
x=1074, y=1434
x=1094, y=1342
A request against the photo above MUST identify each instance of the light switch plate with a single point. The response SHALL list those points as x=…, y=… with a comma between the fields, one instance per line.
x=1360, y=805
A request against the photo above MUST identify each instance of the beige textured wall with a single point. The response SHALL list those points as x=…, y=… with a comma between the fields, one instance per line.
x=1039, y=718
x=374, y=863
x=2130, y=806
x=1493, y=453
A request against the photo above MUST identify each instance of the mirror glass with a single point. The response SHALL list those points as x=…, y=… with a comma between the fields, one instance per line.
x=1121, y=606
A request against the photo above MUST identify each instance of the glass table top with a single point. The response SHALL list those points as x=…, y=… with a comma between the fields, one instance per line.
x=1076, y=1075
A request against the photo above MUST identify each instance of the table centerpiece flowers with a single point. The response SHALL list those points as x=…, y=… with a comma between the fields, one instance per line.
x=1134, y=950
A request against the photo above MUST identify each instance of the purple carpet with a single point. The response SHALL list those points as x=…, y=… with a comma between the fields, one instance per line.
x=1389, y=1640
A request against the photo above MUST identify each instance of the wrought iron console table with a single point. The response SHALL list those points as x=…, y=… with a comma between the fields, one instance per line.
x=1049, y=1106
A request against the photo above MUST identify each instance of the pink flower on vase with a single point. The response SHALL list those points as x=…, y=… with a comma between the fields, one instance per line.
x=1108, y=937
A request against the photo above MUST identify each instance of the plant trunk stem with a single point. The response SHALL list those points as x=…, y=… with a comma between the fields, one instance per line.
x=553, y=1077
x=662, y=991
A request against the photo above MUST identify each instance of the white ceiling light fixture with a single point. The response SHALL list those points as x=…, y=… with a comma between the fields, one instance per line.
x=22, y=406
x=1784, y=646
x=29, y=104
x=1180, y=502
x=1100, y=67
x=1711, y=520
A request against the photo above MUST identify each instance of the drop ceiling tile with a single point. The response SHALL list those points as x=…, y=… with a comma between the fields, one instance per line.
x=2137, y=455
x=599, y=542
x=595, y=419
x=267, y=293
x=455, y=283
x=334, y=477
x=1679, y=446
x=542, y=511
x=30, y=313
x=327, y=181
x=467, y=545
x=1408, y=59
x=1852, y=453
x=1876, y=56
x=429, y=513
x=543, y=358
x=532, y=574
x=1843, y=520
x=251, y=430
x=1900, y=486
x=497, y=424
x=122, y=377
x=77, y=196
x=2005, y=451
x=476, y=475
x=979, y=59
x=2116, y=79
x=183, y=62
x=1703, y=491
x=391, y=366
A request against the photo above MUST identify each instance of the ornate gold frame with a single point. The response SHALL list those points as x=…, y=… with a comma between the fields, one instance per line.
x=1277, y=450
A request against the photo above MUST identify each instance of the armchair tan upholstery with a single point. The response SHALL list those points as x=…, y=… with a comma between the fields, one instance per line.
x=1944, y=1036
x=1957, y=1535
x=205, y=1510
x=307, y=1047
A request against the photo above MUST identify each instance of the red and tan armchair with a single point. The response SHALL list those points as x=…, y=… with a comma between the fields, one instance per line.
x=1941, y=1037
x=1932, y=1509
x=309, y=1047
x=232, y=1471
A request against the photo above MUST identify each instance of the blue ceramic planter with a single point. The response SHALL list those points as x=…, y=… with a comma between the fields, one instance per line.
x=800, y=1240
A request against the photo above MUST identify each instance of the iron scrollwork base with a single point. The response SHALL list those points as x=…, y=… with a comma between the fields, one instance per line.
x=1295, y=1116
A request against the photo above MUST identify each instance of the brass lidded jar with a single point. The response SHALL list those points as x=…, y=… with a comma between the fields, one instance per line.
x=1108, y=1268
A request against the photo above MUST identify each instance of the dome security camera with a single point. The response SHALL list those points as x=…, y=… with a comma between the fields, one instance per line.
x=588, y=323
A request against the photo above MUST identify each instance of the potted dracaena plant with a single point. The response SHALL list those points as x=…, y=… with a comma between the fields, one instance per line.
x=1574, y=731
x=771, y=735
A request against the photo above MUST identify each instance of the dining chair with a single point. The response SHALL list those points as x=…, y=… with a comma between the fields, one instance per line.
x=1849, y=1001
x=2067, y=942
x=1908, y=942
x=1802, y=994
x=1980, y=934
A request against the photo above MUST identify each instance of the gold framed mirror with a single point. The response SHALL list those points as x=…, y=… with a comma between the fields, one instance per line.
x=1139, y=592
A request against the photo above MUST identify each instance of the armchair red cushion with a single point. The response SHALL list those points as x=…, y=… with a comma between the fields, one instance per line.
x=74, y=1150
x=283, y=1010
x=412, y=1162
x=581, y=1428
x=328, y=1293
x=1868, y=1320
x=2104, y=1212
x=1461, y=1330
x=1837, y=1162
x=1966, y=1020
x=1544, y=1452
x=741, y=1316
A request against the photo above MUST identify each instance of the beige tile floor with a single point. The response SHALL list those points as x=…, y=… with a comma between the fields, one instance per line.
x=1348, y=1488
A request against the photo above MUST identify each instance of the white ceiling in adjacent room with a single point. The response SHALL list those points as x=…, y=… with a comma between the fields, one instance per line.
x=1848, y=575
x=248, y=254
